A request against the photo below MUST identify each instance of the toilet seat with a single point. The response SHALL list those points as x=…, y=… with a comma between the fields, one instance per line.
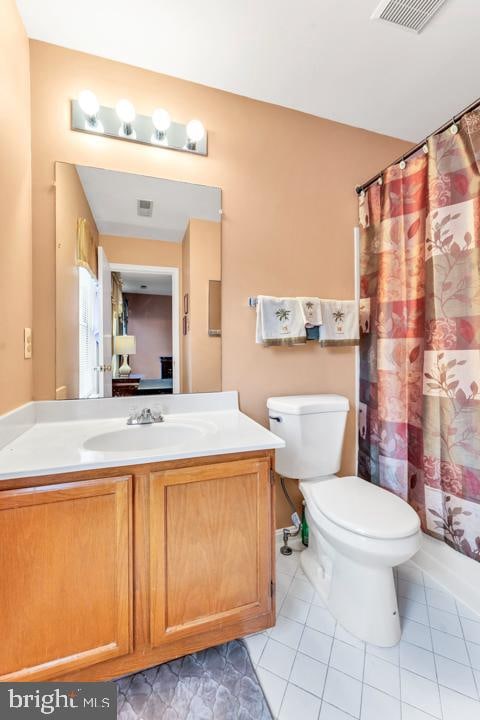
x=360, y=507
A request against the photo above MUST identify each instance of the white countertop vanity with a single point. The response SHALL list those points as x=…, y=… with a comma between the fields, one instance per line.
x=63, y=436
x=137, y=543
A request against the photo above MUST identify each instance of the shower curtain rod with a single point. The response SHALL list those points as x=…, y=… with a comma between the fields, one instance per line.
x=419, y=145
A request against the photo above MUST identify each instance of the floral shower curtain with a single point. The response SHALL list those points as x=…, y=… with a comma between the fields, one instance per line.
x=420, y=356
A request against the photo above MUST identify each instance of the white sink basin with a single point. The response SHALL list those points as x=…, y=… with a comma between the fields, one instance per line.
x=145, y=437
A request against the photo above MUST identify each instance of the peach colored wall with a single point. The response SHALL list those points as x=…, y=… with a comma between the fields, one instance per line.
x=150, y=320
x=15, y=211
x=71, y=204
x=289, y=206
x=138, y=251
x=204, y=265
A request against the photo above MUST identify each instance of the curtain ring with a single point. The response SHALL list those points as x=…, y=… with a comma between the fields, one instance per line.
x=454, y=127
x=380, y=180
x=402, y=164
x=425, y=149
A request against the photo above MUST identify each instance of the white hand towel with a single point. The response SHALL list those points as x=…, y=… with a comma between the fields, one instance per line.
x=312, y=311
x=340, y=323
x=280, y=321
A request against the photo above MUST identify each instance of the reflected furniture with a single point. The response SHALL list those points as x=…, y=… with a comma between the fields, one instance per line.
x=125, y=386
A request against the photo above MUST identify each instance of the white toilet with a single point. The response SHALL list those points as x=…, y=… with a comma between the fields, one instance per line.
x=358, y=531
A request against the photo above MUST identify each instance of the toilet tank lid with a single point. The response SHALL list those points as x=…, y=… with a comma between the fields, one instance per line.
x=308, y=404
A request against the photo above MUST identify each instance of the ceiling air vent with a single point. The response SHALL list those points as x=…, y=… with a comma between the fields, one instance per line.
x=412, y=15
x=145, y=208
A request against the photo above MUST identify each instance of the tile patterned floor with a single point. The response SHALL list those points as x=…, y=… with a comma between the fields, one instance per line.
x=312, y=669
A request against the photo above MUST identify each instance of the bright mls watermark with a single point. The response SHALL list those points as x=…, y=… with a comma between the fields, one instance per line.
x=60, y=701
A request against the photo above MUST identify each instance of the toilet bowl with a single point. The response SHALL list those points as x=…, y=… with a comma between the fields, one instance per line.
x=358, y=531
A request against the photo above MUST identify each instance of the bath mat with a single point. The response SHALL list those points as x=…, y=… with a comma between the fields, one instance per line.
x=215, y=684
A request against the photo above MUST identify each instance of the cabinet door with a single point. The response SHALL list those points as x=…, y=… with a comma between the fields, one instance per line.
x=64, y=577
x=210, y=547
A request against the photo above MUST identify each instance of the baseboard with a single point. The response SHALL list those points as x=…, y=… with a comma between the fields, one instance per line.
x=455, y=572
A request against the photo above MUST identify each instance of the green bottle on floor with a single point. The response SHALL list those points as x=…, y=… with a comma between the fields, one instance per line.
x=304, y=526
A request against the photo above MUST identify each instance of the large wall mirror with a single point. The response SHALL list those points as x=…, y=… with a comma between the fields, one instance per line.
x=138, y=285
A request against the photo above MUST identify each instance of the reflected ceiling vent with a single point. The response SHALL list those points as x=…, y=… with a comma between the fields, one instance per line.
x=412, y=15
x=145, y=208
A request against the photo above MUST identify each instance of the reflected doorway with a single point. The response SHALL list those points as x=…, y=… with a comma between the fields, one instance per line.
x=145, y=311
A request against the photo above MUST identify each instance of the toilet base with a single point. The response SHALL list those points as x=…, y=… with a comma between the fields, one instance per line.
x=361, y=597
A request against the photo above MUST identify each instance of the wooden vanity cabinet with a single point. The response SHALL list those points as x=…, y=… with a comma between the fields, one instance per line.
x=106, y=572
x=210, y=547
x=65, y=596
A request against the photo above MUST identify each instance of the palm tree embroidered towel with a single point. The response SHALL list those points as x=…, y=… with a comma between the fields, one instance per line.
x=340, y=323
x=280, y=321
x=312, y=311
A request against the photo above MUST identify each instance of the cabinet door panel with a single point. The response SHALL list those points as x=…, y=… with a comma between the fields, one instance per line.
x=210, y=546
x=65, y=577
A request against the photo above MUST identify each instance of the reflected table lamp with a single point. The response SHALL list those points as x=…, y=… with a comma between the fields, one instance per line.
x=125, y=345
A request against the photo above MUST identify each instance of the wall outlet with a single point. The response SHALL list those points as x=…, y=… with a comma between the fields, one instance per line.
x=27, y=343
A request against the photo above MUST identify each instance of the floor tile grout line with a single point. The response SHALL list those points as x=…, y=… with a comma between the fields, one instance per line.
x=438, y=629
x=434, y=664
x=296, y=651
x=352, y=677
x=459, y=692
x=434, y=661
x=426, y=588
x=434, y=717
x=305, y=627
x=476, y=682
x=333, y=638
x=434, y=607
x=295, y=658
x=330, y=667
x=363, y=678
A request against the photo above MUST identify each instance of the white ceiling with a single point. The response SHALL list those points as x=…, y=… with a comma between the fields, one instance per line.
x=113, y=196
x=324, y=57
x=156, y=284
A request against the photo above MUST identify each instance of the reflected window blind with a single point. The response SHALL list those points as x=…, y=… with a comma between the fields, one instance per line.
x=88, y=353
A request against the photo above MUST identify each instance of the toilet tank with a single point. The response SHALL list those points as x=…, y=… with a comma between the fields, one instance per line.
x=313, y=427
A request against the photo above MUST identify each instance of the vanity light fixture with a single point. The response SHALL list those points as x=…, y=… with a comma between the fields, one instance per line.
x=195, y=133
x=89, y=104
x=156, y=130
x=126, y=113
x=161, y=122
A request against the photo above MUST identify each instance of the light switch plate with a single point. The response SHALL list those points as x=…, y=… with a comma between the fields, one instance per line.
x=27, y=343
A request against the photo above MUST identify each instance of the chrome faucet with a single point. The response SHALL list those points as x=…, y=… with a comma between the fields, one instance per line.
x=145, y=417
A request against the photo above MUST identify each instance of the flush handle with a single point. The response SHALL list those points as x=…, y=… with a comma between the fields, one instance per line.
x=276, y=418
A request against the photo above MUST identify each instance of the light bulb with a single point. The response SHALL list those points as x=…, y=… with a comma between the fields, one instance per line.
x=125, y=111
x=161, y=120
x=195, y=131
x=89, y=103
